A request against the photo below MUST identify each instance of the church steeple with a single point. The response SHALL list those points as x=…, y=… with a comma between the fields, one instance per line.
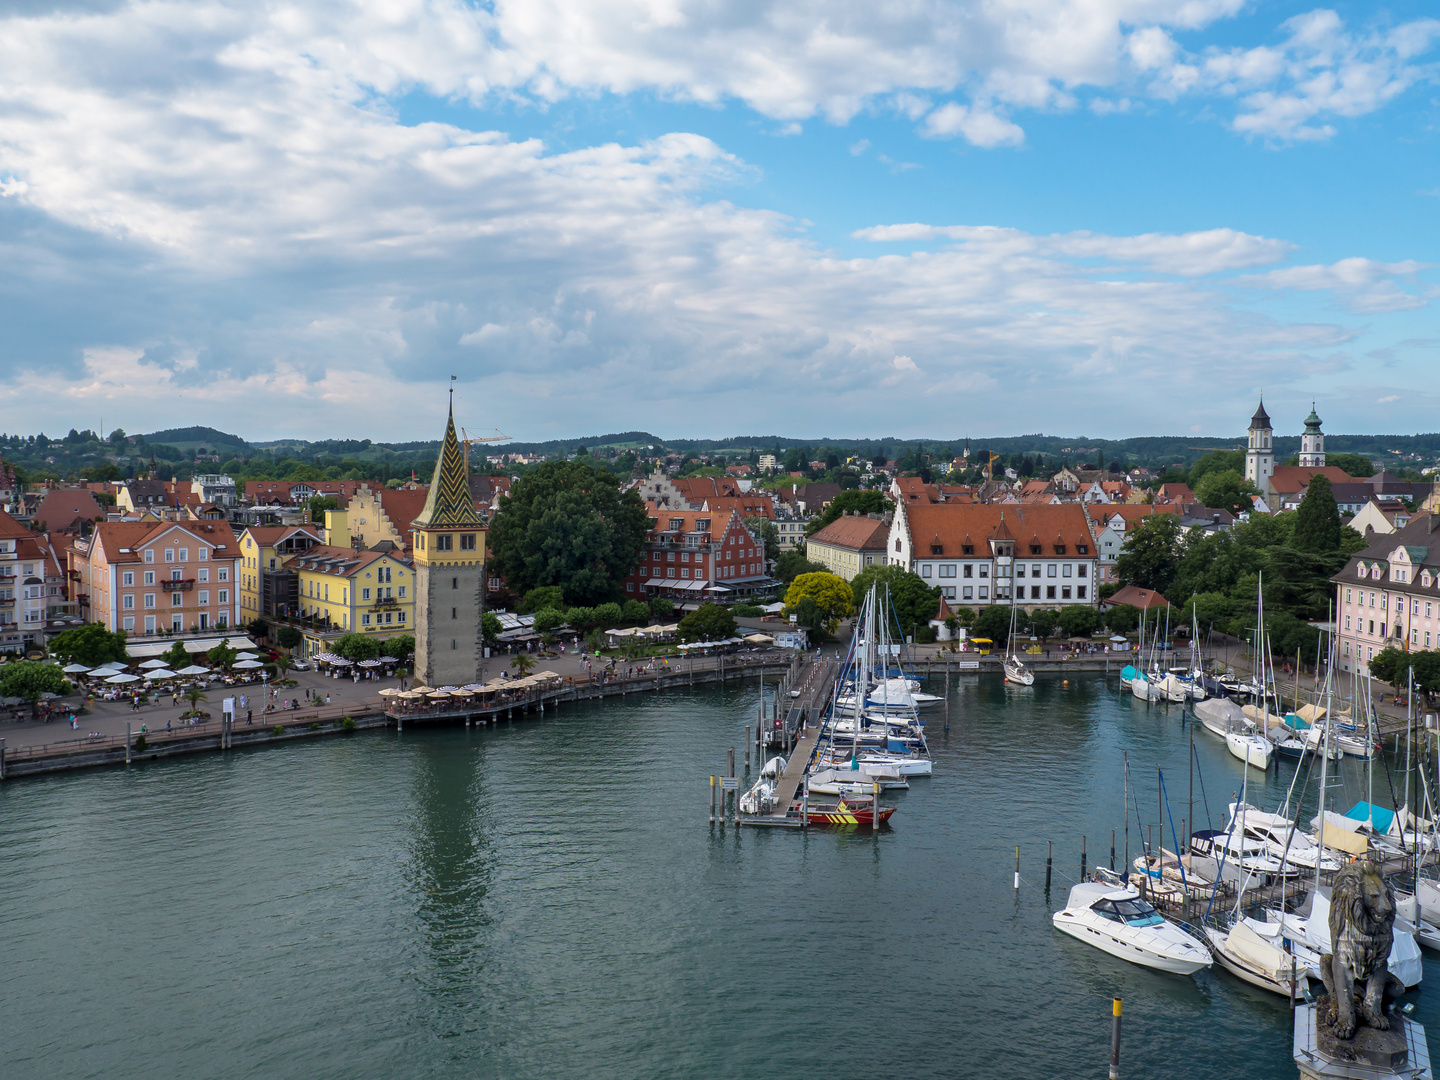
x=1259, y=451
x=449, y=501
x=1312, y=442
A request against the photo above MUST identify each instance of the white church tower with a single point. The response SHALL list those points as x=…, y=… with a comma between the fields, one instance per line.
x=1312, y=442
x=1260, y=454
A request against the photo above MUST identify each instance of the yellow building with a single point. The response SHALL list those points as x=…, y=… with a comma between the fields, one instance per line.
x=267, y=585
x=342, y=590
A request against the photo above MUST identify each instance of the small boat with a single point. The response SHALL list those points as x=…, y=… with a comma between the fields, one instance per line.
x=1166, y=869
x=1173, y=688
x=1246, y=855
x=850, y=810
x=902, y=764
x=1313, y=927
x=1254, y=750
x=1282, y=839
x=850, y=782
x=1221, y=716
x=1257, y=953
x=1017, y=672
x=760, y=799
x=1120, y=922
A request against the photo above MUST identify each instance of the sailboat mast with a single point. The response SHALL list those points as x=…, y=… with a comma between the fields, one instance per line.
x=1127, y=812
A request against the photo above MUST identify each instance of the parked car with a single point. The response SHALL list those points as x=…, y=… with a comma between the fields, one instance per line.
x=300, y=665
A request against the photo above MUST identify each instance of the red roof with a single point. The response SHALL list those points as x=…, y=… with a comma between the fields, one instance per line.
x=854, y=533
x=1137, y=597
x=953, y=526
x=1291, y=478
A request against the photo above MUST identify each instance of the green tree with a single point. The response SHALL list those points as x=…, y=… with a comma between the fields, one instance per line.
x=830, y=592
x=400, y=646
x=1357, y=465
x=993, y=622
x=609, y=615
x=317, y=506
x=176, y=657
x=1317, y=523
x=29, y=679
x=1150, y=556
x=1123, y=618
x=222, y=655
x=258, y=628
x=522, y=663
x=1226, y=490
x=1078, y=620
x=636, y=612
x=353, y=646
x=288, y=637
x=1043, y=622
x=964, y=616
x=865, y=502
x=91, y=645
x=568, y=523
x=793, y=563
x=541, y=597
x=1216, y=461
x=765, y=531
x=662, y=607
x=548, y=620
x=708, y=622
x=581, y=618
x=194, y=695
x=913, y=602
x=491, y=627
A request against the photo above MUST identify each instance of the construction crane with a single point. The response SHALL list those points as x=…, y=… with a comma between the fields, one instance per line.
x=990, y=466
x=467, y=440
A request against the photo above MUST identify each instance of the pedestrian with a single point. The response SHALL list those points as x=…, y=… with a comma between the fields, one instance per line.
x=249, y=716
x=327, y=699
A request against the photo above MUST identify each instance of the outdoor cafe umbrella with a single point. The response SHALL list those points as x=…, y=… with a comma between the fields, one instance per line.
x=438, y=694
x=249, y=664
x=1118, y=639
x=123, y=677
x=74, y=669
x=410, y=695
x=340, y=661
x=158, y=674
x=369, y=663
x=247, y=656
x=153, y=664
x=193, y=669
x=389, y=660
x=107, y=669
x=391, y=691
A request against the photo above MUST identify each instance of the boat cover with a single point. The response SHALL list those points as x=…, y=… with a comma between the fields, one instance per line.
x=1127, y=672
x=1378, y=817
x=1310, y=713
x=1258, y=953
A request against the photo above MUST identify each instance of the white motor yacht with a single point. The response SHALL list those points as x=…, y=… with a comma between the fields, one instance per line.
x=1282, y=839
x=1119, y=922
x=1245, y=854
x=903, y=764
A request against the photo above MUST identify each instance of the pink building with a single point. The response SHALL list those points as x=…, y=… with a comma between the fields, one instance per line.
x=145, y=577
x=1389, y=595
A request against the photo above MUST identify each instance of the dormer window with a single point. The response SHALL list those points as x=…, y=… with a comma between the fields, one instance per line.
x=1362, y=571
x=1059, y=549
x=968, y=549
x=1082, y=549
x=1425, y=578
x=937, y=549
x=676, y=524
x=1034, y=549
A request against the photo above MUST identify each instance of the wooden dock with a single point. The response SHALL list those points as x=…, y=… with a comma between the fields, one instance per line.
x=795, y=767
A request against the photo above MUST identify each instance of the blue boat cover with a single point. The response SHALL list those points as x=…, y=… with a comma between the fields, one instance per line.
x=1127, y=672
x=1293, y=721
x=1380, y=819
x=895, y=746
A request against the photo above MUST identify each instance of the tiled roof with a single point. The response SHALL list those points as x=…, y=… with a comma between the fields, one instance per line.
x=133, y=535
x=1137, y=597
x=448, y=502
x=1101, y=513
x=1421, y=535
x=954, y=525
x=1290, y=478
x=341, y=561
x=854, y=533
x=61, y=507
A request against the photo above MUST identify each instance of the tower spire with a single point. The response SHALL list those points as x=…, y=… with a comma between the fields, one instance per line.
x=449, y=501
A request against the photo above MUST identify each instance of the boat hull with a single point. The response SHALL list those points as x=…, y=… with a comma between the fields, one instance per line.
x=1123, y=950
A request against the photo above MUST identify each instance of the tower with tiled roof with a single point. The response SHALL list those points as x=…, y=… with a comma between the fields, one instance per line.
x=1260, y=450
x=1312, y=442
x=448, y=544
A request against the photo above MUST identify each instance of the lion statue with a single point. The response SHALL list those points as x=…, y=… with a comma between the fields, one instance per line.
x=1362, y=930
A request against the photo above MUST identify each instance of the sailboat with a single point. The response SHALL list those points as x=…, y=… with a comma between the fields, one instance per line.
x=1015, y=669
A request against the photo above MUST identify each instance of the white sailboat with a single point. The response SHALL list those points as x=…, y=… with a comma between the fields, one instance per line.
x=1015, y=669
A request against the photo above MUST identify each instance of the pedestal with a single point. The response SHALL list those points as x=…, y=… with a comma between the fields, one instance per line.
x=1399, y=1053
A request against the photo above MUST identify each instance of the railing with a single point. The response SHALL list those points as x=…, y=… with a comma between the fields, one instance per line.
x=177, y=586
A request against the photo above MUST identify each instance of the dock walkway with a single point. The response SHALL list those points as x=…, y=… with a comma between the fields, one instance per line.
x=795, y=770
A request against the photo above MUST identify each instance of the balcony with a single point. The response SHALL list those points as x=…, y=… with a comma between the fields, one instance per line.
x=388, y=602
x=178, y=586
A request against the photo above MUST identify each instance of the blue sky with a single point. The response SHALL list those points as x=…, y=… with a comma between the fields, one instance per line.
x=1101, y=217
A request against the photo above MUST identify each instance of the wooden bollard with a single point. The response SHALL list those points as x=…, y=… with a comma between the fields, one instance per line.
x=1082, y=858
x=1112, y=850
x=127, y=742
x=875, y=807
x=1017, y=867
x=748, y=743
x=1049, y=855
x=712, y=799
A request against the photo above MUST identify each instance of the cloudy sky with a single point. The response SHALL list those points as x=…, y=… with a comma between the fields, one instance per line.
x=709, y=217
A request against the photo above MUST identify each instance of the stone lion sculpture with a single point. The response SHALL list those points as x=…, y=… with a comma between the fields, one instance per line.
x=1362, y=930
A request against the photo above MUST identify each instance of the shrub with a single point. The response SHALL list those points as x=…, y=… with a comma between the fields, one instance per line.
x=347, y=724
x=140, y=742
x=925, y=635
x=278, y=729
x=315, y=726
x=747, y=611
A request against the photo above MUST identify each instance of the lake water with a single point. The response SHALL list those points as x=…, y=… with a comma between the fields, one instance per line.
x=547, y=899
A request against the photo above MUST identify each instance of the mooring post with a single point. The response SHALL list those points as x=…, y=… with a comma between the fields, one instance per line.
x=1115, y=1040
x=1049, y=855
x=712, y=798
x=1017, y=867
x=1112, y=850
x=127, y=742
x=748, y=743
x=733, y=796
x=2, y=759
x=875, y=807
x=1082, y=858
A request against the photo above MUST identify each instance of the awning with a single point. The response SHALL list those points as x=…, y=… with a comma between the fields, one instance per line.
x=692, y=586
x=145, y=650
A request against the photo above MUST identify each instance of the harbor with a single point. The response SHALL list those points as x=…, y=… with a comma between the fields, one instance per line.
x=454, y=911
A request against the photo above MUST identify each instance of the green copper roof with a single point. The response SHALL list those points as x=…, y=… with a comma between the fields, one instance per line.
x=1312, y=422
x=1416, y=552
x=449, y=501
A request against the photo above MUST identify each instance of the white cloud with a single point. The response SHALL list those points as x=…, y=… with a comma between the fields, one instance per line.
x=1360, y=284
x=232, y=218
x=978, y=125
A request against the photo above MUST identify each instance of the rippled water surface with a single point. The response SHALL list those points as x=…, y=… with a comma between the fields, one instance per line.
x=547, y=899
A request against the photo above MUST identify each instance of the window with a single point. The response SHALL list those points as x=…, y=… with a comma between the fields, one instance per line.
x=1347, y=596
x=1034, y=592
x=150, y=622
x=150, y=556
x=1080, y=592
x=684, y=556
x=967, y=592
x=984, y=592
x=175, y=599
x=364, y=594
x=925, y=569
x=1019, y=570
x=175, y=574
x=947, y=570
x=1065, y=592
x=224, y=573
x=629, y=586
x=1050, y=569
x=1415, y=608
x=454, y=583
x=128, y=602
x=984, y=570
x=128, y=578
x=443, y=542
x=169, y=554
x=1347, y=622
x=400, y=617
x=453, y=613
x=203, y=574
x=402, y=592
x=204, y=596
x=365, y=620
x=1082, y=570
x=969, y=571
x=1035, y=569
x=224, y=596
x=467, y=542
x=202, y=554
x=127, y=623
x=684, y=571
x=1065, y=570
x=1050, y=592
x=950, y=592
x=149, y=599
x=184, y=554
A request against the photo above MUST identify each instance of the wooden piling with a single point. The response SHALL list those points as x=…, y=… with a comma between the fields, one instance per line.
x=1049, y=857
x=1017, y=867
x=875, y=807
x=748, y=742
x=712, y=799
x=1082, y=858
x=1112, y=850
x=127, y=742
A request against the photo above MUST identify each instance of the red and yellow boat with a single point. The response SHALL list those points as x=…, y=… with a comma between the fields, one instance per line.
x=852, y=810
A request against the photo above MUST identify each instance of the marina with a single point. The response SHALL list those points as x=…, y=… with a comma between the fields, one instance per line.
x=443, y=887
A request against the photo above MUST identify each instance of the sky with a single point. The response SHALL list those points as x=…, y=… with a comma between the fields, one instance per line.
x=702, y=218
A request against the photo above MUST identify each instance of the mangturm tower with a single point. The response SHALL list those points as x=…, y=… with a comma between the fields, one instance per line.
x=449, y=550
x=1312, y=442
x=1260, y=453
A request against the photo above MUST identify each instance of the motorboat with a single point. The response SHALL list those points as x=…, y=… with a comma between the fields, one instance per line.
x=850, y=810
x=851, y=782
x=1120, y=922
x=1243, y=853
x=903, y=764
x=1260, y=954
x=1252, y=749
x=1282, y=838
